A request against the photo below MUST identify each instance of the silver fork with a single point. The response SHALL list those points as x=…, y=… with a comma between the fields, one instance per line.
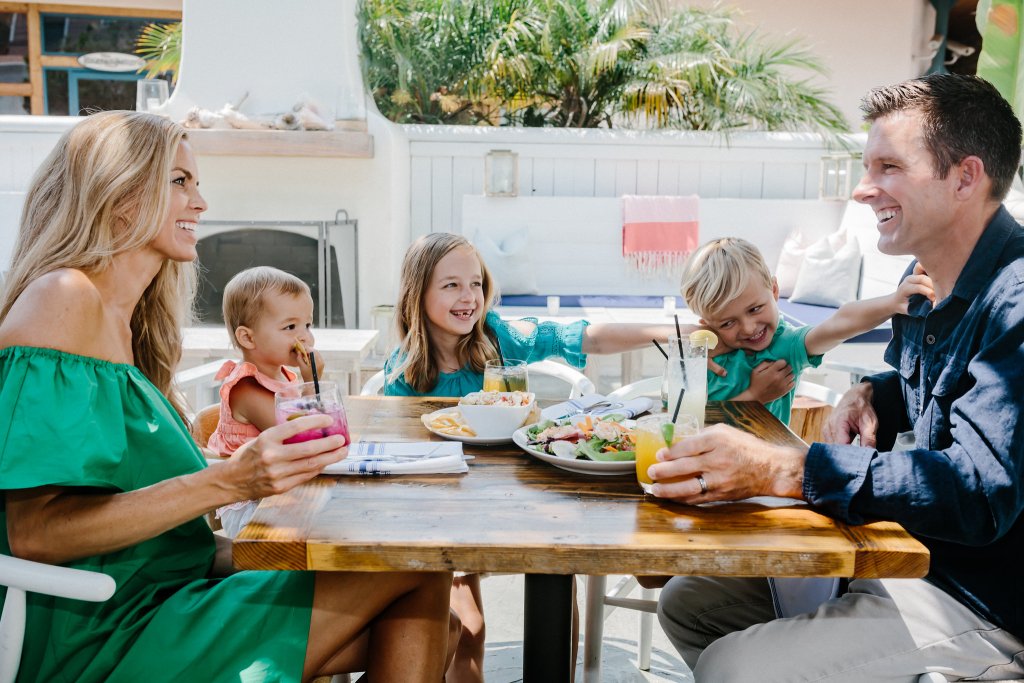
x=579, y=409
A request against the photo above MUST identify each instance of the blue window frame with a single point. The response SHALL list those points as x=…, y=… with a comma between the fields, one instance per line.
x=75, y=77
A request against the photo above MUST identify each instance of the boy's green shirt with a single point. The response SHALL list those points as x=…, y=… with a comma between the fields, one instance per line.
x=787, y=344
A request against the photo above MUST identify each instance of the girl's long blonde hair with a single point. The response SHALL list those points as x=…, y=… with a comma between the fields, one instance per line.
x=104, y=190
x=418, y=362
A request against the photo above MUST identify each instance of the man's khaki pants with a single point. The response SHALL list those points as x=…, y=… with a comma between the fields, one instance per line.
x=881, y=630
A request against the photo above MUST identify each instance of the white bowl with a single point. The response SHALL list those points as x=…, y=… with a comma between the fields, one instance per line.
x=496, y=421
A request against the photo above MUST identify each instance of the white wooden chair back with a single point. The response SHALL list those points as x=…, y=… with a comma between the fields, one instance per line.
x=579, y=383
x=22, y=576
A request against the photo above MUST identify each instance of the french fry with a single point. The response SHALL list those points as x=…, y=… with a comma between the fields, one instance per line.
x=449, y=424
x=301, y=352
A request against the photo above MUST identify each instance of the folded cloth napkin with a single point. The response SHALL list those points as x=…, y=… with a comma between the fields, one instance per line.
x=630, y=408
x=659, y=233
x=421, y=457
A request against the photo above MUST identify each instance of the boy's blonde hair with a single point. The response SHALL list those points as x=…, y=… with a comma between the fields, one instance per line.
x=719, y=271
x=245, y=295
x=419, y=365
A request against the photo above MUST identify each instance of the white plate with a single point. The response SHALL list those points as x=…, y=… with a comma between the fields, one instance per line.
x=478, y=440
x=573, y=464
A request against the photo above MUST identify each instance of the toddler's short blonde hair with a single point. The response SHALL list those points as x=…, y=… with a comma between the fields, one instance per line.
x=244, y=295
x=719, y=271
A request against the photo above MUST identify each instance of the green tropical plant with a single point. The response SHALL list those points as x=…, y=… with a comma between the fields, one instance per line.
x=425, y=61
x=160, y=46
x=585, y=63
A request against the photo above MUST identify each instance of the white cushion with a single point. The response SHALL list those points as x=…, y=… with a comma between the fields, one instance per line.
x=790, y=259
x=830, y=273
x=510, y=262
x=880, y=273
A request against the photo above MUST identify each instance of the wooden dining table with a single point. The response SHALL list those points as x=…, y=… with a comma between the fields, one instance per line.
x=515, y=513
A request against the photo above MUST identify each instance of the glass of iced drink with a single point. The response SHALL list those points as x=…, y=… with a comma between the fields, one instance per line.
x=654, y=432
x=305, y=399
x=506, y=375
x=686, y=368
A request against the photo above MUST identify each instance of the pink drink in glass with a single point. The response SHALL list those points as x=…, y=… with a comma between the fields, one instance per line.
x=300, y=400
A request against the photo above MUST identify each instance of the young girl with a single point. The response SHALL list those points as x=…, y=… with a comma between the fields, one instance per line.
x=269, y=316
x=448, y=332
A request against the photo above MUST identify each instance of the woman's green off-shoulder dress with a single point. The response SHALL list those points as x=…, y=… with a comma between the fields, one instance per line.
x=101, y=427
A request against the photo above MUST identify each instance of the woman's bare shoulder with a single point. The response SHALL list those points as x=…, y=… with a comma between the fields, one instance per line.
x=62, y=310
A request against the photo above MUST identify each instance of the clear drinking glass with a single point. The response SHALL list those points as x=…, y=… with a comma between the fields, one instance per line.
x=150, y=94
x=689, y=371
x=649, y=437
x=507, y=375
x=298, y=400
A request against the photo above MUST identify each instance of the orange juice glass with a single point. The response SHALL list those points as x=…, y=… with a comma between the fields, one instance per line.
x=506, y=375
x=649, y=438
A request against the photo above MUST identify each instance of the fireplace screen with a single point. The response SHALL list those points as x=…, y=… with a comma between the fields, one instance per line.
x=321, y=253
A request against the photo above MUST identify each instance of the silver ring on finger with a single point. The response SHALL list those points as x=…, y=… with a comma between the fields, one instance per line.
x=703, y=484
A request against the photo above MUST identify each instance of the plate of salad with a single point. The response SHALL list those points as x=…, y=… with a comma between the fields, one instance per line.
x=586, y=444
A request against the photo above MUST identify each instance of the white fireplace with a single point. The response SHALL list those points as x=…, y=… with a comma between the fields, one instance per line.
x=324, y=254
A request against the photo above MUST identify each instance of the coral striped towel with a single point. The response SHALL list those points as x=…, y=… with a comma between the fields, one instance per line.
x=659, y=233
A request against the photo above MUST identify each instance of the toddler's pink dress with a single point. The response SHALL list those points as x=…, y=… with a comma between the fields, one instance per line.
x=231, y=434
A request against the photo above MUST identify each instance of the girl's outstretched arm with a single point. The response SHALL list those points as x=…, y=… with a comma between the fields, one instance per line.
x=620, y=337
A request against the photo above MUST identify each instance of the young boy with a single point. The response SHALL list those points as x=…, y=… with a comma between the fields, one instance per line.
x=728, y=284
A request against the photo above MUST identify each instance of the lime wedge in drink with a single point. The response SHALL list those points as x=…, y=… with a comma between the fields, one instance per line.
x=668, y=430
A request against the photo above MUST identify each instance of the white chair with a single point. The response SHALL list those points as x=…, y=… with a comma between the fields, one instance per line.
x=600, y=605
x=197, y=384
x=652, y=385
x=21, y=576
x=644, y=387
x=818, y=392
x=579, y=383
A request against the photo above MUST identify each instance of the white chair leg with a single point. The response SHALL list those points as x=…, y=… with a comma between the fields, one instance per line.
x=593, y=632
x=643, y=653
x=12, y=633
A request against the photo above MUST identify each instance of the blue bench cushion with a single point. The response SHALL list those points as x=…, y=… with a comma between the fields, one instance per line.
x=794, y=313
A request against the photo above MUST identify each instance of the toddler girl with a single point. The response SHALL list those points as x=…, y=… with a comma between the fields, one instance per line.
x=269, y=316
x=447, y=333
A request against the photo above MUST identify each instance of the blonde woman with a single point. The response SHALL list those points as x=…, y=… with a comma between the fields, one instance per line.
x=98, y=470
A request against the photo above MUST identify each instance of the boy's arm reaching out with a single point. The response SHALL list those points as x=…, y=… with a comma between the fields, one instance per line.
x=858, y=317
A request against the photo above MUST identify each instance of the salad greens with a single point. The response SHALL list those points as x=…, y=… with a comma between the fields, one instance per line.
x=603, y=439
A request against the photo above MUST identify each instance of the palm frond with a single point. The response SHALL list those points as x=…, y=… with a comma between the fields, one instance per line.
x=160, y=46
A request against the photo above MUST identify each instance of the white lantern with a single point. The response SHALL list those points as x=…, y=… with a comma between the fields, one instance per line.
x=837, y=175
x=501, y=173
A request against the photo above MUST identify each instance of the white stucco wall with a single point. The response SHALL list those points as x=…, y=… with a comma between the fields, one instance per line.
x=269, y=58
x=863, y=44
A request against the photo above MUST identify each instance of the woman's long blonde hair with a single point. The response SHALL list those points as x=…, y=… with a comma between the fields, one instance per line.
x=418, y=362
x=104, y=190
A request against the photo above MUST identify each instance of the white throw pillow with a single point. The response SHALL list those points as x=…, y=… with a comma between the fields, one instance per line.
x=790, y=259
x=830, y=272
x=880, y=273
x=510, y=262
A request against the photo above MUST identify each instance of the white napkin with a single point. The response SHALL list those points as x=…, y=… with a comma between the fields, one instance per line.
x=421, y=457
x=630, y=408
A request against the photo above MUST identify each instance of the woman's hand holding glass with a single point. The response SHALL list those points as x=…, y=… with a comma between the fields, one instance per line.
x=267, y=466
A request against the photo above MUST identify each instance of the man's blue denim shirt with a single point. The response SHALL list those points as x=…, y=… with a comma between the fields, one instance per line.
x=959, y=384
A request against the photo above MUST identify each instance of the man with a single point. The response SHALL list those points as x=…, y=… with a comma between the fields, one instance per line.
x=940, y=157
